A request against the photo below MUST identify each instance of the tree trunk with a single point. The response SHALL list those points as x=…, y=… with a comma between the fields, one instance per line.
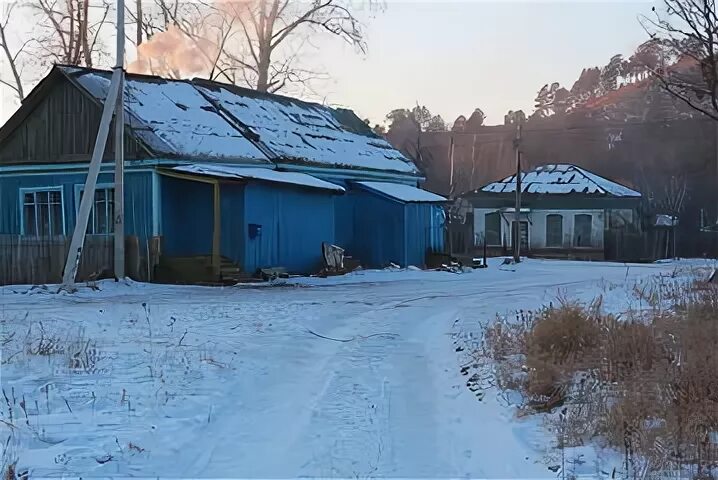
x=138, y=40
x=84, y=25
x=70, y=53
x=263, y=69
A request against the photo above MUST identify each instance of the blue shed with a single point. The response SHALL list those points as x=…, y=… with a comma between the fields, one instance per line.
x=220, y=181
x=385, y=223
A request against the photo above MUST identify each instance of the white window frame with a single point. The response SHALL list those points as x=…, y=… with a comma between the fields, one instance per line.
x=561, y=239
x=501, y=226
x=53, y=188
x=79, y=188
x=590, y=238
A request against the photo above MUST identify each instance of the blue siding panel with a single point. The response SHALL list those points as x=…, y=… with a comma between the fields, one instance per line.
x=138, y=205
x=138, y=199
x=378, y=230
x=187, y=217
x=294, y=223
x=344, y=207
x=424, y=232
x=233, y=230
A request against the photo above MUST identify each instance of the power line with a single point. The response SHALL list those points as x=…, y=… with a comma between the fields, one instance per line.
x=508, y=129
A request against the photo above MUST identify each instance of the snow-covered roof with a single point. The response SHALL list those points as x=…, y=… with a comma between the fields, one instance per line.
x=206, y=120
x=258, y=173
x=172, y=117
x=308, y=132
x=559, y=180
x=401, y=192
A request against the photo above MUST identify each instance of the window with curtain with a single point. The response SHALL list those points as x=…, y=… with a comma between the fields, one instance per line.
x=492, y=227
x=42, y=212
x=554, y=230
x=582, y=230
x=102, y=215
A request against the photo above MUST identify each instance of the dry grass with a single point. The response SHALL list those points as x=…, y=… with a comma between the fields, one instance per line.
x=648, y=388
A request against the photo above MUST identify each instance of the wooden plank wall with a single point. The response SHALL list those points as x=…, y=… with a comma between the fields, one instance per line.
x=62, y=128
x=35, y=261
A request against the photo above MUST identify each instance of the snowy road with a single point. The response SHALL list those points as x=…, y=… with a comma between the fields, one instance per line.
x=354, y=376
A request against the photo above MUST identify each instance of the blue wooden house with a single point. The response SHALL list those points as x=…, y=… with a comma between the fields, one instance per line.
x=217, y=177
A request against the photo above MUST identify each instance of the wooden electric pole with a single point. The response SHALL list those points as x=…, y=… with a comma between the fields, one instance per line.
x=77, y=243
x=517, y=207
x=119, y=217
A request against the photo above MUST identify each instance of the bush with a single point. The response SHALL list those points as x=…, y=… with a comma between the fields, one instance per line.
x=562, y=342
x=648, y=388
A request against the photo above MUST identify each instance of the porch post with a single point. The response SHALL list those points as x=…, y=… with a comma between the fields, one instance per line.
x=216, y=231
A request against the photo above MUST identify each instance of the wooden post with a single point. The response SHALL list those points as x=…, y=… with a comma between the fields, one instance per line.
x=216, y=232
x=517, y=206
x=119, y=217
x=72, y=262
x=451, y=166
x=484, y=262
x=74, y=253
x=119, y=193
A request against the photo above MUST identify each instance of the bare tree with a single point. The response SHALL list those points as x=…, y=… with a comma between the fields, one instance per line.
x=688, y=32
x=268, y=25
x=139, y=24
x=71, y=30
x=147, y=18
x=668, y=204
x=12, y=56
x=254, y=42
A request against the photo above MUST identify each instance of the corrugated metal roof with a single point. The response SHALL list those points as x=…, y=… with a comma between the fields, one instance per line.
x=256, y=173
x=561, y=179
x=403, y=193
x=306, y=132
x=172, y=117
x=200, y=119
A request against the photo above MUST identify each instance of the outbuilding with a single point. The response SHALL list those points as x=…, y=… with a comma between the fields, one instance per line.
x=566, y=212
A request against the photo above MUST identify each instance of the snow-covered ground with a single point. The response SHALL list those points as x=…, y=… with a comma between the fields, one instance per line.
x=353, y=376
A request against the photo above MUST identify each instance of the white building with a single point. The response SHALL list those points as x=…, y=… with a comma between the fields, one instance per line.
x=566, y=211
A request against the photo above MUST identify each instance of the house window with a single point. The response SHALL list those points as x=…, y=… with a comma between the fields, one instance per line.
x=554, y=230
x=102, y=215
x=582, y=230
x=492, y=227
x=42, y=212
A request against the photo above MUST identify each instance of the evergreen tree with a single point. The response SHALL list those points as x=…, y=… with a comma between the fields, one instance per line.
x=476, y=120
x=551, y=100
x=514, y=118
x=616, y=67
x=436, y=124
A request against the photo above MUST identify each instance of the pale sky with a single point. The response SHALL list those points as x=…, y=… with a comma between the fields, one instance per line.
x=456, y=56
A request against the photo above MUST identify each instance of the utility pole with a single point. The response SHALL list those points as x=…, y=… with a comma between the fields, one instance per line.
x=517, y=206
x=451, y=165
x=119, y=203
x=88, y=197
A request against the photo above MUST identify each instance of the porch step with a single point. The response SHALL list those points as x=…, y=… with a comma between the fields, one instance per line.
x=230, y=272
x=198, y=269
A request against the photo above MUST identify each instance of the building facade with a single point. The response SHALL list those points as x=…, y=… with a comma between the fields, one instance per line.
x=219, y=179
x=566, y=212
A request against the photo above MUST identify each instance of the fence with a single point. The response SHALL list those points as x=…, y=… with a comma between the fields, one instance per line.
x=40, y=260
